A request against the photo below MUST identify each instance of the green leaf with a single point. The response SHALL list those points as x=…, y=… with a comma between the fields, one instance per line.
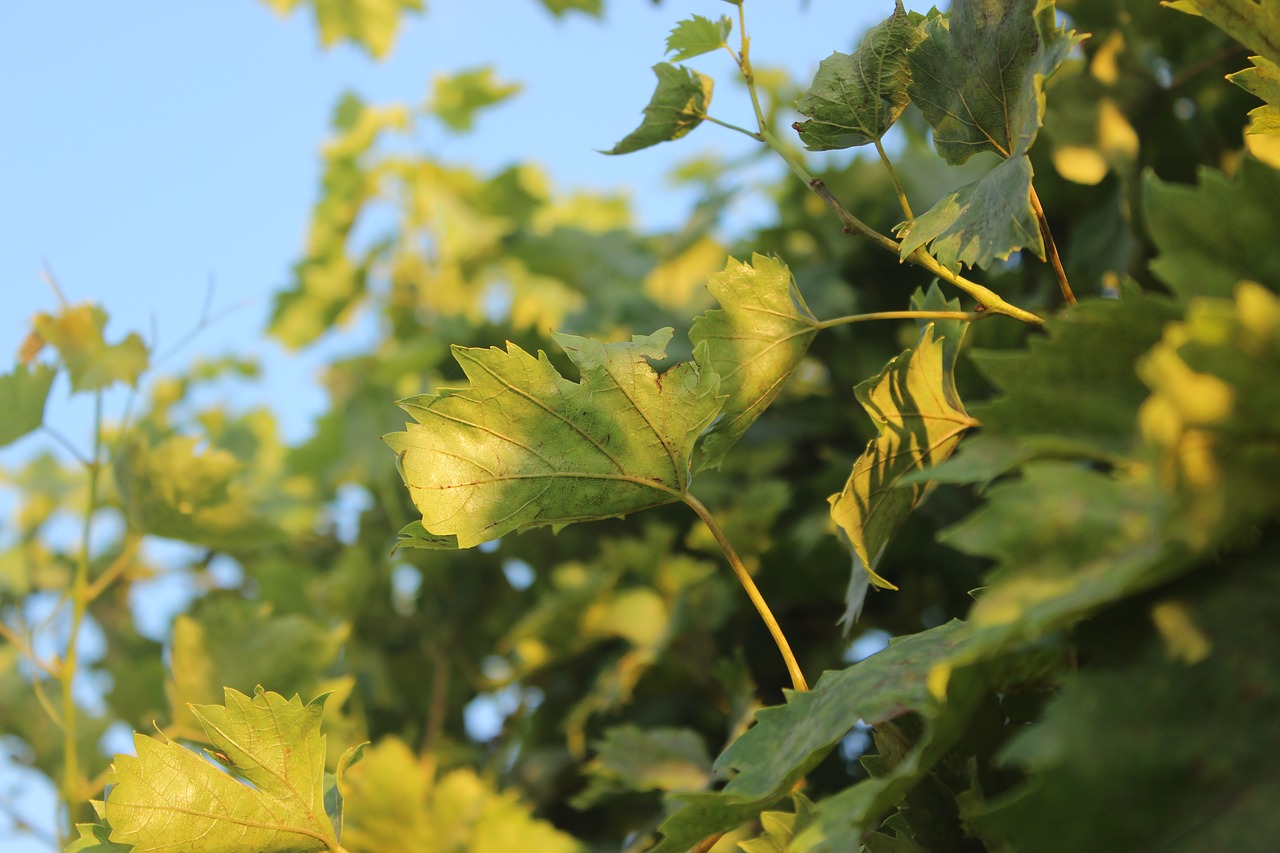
x=395, y=804
x=1262, y=80
x=456, y=98
x=1148, y=752
x=630, y=759
x=95, y=838
x=92, y=363
x=589, y=7
x=524, y=447
x=168, y=797
x=1072, y=394
x=23, y=392
x=1212, y=236
x=920, y=419
x=980, y=223
x=698, y=35
x=754, y=342
x=978, y=75
x=372, y=24
x=854, y=99
x=678, y=105
x=171, y=487
x=1253, y=23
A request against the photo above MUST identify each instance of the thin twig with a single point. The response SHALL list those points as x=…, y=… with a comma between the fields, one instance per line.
x=893, y=176
x=65, y=442
x=744, y=578
x=46, y=275
x=852, y=224
x=1051, y=248
x=24, y=649
x=117, y=568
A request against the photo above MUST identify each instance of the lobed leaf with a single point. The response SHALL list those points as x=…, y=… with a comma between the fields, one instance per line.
x=698, y=35
x=524, y=447
x=372, y=24
x=1213, y=235
x=168, y=796
x=980, y=223
x=456, y=98
x=23, y=392
x=678, y=105
x=754, y=341
x=920, y=419
x=91, y=362
x=630, y=759
x=1262, y=80
x=854, y=99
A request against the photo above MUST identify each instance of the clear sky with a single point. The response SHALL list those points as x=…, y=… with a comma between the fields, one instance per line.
x=149, y=148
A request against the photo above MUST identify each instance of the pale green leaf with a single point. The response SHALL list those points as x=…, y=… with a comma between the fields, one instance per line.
x=168, y=797
x=456, y=98
x=92, y=363
x=1213, y=235
x=372, y=24
x=678, y=105
x=698, y=35
x=980, y=223
x=920, y=419
x=524, y=447
x=23, y=392
x=587, y=7
x=172, y=487
x=855, y=98
x=978, y=75
x=95, y=838
x=754, y=341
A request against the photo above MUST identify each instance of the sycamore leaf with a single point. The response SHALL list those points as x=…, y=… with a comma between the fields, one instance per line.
x=23, y=392
x=781, y=828
x=92, y=363
x=981, y=222
x=630, y=758
x=855, y=98
x=698, y=35
x=678, y=105
x=168, y=797
x=95, y=838
x=587, y=7
x=456, y=98
x=372, y=24
x=978, y=75
x=920, y=418
x=754, y=341
x=524, y=447
x=1213, y=235
x=1253, y=23
x=1262, y=80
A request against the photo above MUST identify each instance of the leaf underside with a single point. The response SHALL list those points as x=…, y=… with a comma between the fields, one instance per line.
x=677, y=106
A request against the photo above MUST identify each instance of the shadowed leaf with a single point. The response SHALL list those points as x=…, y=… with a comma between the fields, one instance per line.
x=678, y=105
x=23, y=392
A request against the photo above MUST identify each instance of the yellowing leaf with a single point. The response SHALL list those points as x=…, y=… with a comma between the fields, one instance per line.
x=678, y=105
x=456, y=98
x=372, y=24
x=169, y=798
x=524, y=447
x=920, y=420
x=754, y=342
x=23, y=392
x=92, y=363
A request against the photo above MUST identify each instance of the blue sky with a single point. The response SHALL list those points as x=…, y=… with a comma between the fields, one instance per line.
x=149, y=148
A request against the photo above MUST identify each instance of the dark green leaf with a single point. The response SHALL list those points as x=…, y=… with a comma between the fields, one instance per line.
x=1253, y=23
x=1212, y=236
x=633, y=759
x=754, y=342
x=855, y=98
x=524, y=447
x=678, y=105
x=698, y=35
x=980, y=223
x=23, y=392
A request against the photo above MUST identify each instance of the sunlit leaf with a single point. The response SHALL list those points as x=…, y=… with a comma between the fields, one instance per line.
x=754, y=341
x=524, y=447
x=698, y=35
x=920, y=419
x=169, y=797
x=372, y=24
x=91, y=362
x=456, y=98
x=781, y=828
x=23, y=392
x=1213, y=235
x=854, y=99
x=1263, y=80
x=678, y=105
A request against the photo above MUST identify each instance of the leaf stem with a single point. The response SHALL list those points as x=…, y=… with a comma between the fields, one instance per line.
x=852, y=224
x=893, y=176
x=904, y=315
x=730, y=126
x=72, y=785
x=1051, y=248
x=744, y=578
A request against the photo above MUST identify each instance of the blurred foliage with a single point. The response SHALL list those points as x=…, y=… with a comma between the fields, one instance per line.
x=1080, y=654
